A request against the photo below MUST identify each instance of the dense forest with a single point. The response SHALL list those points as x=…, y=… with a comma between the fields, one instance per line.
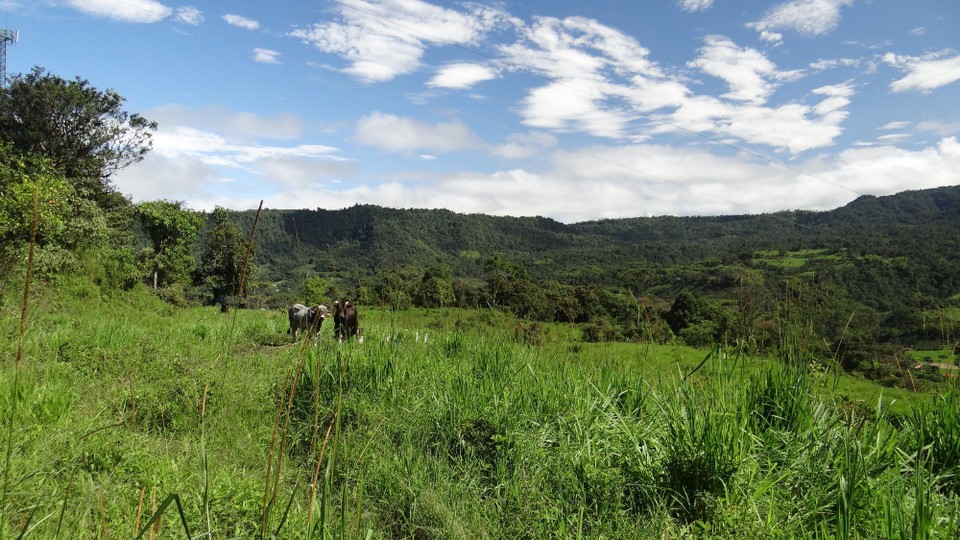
x=866, y=282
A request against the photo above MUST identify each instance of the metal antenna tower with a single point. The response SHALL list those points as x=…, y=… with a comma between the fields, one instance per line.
x=6, y=36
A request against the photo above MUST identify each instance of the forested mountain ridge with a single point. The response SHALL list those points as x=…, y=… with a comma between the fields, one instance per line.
x=367, y=238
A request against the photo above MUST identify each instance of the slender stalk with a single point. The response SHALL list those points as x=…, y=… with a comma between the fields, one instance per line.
x=269, y=475
x=11, y=415
x=203, y=460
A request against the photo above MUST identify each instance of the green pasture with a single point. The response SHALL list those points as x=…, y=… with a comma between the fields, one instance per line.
x=796, y=259
x=443, y=424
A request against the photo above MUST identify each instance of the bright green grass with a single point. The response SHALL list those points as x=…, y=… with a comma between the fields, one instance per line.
x=442, y=425
x=796, y=259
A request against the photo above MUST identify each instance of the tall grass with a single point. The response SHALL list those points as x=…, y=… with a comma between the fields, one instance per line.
x=471, y=434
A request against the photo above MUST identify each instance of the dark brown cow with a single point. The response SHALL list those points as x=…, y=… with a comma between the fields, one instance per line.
x=345, y=324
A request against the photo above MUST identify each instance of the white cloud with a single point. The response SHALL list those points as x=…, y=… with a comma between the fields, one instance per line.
x=750, y=75
x=461, y=75
x=197, y=151
x=823, y=65
x=189, y=15
x=561, y=107
x=924, y=74
x=591, y=69
x=163, y=177
x=385, y=39
x=790, y=126
x=216, y=149
x=398, y=134
x=893, y=138
x=694, y=5
x=265, y=56
x=244, y=127
x=937, y=127
x=896, y=125
x=887, y=170
x=602, y=82
x=807, y=17
x=241, y=22
x=524, y=145
x=134, y=11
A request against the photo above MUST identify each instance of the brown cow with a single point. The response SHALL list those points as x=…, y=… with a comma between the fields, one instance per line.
x=345, y=324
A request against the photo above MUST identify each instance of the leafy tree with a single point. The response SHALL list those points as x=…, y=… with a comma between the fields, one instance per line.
x=65, y=223
x=390, y=290
x=504, y=278
x=222, y=260
x=22, y=180
x=319, y=290
x=530, y=301
x=698, y=321
x=564, y=300
x=468, y=292
x=172, y=230
x=83, y=131
x=435, y=288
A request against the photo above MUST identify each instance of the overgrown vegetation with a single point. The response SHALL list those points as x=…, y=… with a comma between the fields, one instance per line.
x=445, y=423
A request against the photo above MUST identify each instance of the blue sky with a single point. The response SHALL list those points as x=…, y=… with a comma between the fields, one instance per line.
x=569, y=109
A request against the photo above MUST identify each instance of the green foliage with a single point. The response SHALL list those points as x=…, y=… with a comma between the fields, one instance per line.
x=435, y=288
x=172, y=230
x=222, y=260
x=318, y=290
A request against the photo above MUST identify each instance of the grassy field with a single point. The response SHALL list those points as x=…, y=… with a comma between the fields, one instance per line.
x=443, y=424
x=796, y=259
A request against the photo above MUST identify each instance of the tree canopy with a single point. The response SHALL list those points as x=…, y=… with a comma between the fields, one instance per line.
x=84, y=132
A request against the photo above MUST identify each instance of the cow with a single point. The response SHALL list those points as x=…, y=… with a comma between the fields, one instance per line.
x=345, y=325
x=306, y=318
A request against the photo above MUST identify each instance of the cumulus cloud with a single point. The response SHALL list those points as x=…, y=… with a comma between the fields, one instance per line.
x=189, y=15
x=196, y=152
x=595, y=74
x=792, y=126
x=461, y=75
x=807, y=17
x=241, y=22
x=750, y=75
x=134, y=11
x=399, y=134
x=602, y=82
x=265, y=56
x=382, y=40
x=924, y=74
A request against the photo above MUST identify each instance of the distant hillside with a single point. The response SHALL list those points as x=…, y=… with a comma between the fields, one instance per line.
x=365, y=239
